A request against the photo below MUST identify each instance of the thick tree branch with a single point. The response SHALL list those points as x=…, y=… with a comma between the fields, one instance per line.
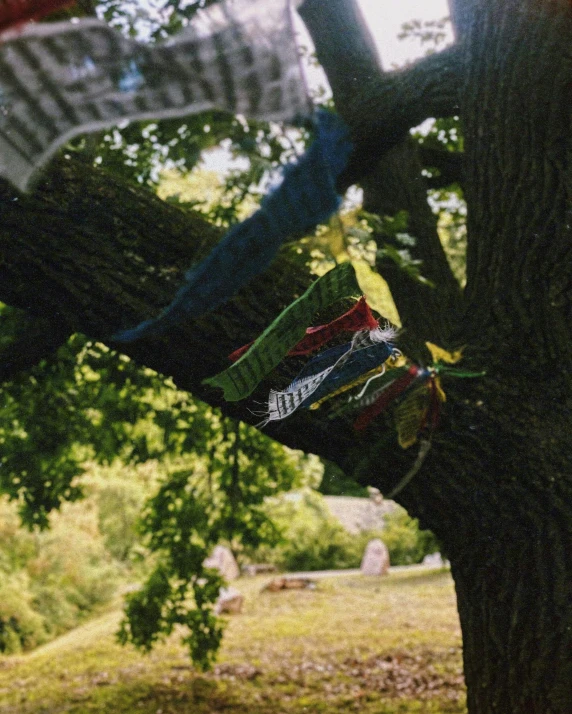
x=379, y=108
x=101, y=254
x=384, y=110
x=344, y=45
x=427, y=313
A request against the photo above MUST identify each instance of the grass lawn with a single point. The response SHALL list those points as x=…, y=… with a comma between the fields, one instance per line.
x=355, y=644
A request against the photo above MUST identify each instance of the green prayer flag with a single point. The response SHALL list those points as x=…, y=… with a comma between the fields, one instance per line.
x=455, y=372
x=268, y=350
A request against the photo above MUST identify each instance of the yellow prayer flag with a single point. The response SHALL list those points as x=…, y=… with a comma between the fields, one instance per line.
x=376, y=291
x=440, y=355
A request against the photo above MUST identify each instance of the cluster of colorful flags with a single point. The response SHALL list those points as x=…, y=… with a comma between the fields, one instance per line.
x=369, y=370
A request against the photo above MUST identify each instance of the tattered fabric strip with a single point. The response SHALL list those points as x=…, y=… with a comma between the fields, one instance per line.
x=327, y=358
x=410, y=416
x=394, y=390
x=333, y=356
x=418, y=412
x=268, y=350
x=339, y=366
x=306, y=197
x=14, y=12
x=357, y=363
x=377, y=371
x=359, y=317
x=58, y=80
x=283, y=404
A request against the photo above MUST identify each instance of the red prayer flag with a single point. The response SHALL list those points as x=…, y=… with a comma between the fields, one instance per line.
x=386, y=397
x=434, y=411
x=14, y=12
x=359, y=317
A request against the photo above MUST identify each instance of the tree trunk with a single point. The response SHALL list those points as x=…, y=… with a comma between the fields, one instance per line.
x=514, y=604
x=496, y=488
x=511, y=548
x=497, y=484
x=508, y=534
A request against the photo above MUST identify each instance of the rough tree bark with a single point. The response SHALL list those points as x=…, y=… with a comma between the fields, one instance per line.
x=88, y=253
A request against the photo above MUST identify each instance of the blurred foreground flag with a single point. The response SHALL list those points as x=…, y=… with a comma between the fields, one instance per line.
x=58, y=80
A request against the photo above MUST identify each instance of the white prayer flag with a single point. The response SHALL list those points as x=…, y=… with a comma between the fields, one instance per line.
x=58, y=80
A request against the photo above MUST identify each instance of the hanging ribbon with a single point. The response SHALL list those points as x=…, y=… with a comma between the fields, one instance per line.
x=419, y=412
x=358, y=363
x=372, y=374
x=58, y=80
x=306, y=197
x=283, y=404
x=359, y=317
x=268, y=350
x=338, y=367
x=395, y=389
x=15, y=12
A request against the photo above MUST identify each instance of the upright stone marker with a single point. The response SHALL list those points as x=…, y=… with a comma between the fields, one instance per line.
x=375, y=559
x=222, y=559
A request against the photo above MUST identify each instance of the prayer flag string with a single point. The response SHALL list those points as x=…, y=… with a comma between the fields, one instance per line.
x=414, y=392
x=359, y=317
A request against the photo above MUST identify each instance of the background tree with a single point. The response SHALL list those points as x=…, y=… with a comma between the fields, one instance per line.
x=89, y=252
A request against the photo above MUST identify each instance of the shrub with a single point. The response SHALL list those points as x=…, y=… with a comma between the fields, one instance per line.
x=21, y=628
x=72, y=560
x=312, y=539
x=120, y=503
x=406, y=542
x=51, y=581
